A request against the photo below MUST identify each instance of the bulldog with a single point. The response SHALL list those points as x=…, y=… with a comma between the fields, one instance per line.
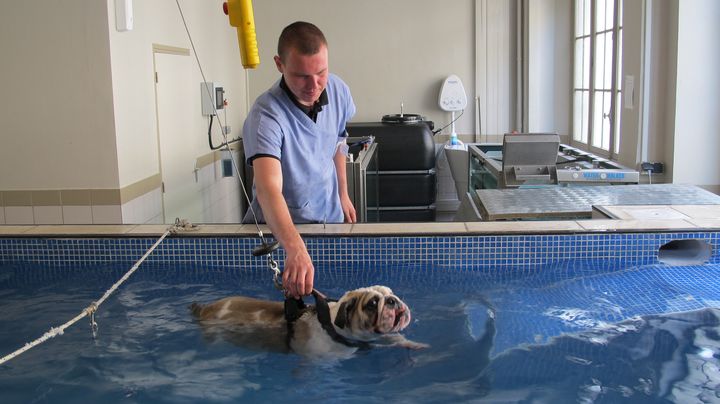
x=360, y=319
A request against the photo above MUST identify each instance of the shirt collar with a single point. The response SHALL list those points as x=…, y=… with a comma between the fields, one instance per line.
x=313, y=111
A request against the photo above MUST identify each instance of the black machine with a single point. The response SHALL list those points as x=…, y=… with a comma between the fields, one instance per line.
x=407, y=180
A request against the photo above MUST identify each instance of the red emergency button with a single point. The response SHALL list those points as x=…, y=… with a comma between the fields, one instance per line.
x=225, y=8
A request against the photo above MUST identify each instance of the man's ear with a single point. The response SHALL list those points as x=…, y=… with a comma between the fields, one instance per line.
x=342, y=318
x=278, y=64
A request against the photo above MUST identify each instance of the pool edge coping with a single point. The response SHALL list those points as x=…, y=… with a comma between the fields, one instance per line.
x=589, y=226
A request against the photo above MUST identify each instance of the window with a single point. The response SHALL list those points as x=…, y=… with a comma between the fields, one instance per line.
x=596, y=92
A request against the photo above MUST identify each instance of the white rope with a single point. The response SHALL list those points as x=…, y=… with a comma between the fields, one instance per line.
x=127, y=274
x=54, y=331
x=90, y=310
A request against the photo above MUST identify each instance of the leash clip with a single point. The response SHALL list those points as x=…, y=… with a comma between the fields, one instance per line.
x=93, y=324
x=276, y=273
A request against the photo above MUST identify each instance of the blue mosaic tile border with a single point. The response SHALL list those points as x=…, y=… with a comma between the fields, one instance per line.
x=462, y=252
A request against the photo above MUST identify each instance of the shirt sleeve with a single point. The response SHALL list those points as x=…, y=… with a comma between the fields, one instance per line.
x=262, y=136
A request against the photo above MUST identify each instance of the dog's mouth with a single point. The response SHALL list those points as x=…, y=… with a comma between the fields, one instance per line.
x=398, y=317
x=393, y=320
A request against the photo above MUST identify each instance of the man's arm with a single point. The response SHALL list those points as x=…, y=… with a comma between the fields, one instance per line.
x=347, y=205
x=299, y=270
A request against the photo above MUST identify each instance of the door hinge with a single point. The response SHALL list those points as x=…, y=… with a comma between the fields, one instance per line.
x=162, y=187
x=156, y=77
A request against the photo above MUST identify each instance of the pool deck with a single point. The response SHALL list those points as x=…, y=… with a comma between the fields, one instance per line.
x=647, y=218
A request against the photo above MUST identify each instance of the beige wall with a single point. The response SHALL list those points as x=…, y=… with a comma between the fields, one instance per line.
x=56, y=110
x=389, y=52
x=400, y=51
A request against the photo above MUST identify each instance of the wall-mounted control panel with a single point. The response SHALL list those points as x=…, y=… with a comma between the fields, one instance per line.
x=452, y=95
x=213, y=97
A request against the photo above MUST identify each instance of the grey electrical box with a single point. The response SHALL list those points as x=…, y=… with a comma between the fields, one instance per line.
x=212, y=95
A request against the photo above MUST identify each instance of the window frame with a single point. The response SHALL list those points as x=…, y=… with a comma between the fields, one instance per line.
x=584, y=120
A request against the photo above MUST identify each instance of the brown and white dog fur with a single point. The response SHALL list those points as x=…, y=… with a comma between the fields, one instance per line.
x=372, y=315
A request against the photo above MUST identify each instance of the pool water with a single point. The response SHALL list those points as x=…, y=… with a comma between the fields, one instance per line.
x=565, y=333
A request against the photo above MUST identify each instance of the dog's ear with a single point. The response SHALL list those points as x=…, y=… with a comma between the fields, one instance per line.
x=342, y=317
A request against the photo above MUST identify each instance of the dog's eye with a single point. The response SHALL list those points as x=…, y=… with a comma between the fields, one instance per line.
x=372, y=304
x=390, y=301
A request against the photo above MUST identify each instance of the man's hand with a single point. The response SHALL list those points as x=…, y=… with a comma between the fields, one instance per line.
x=298, y=273
x=348, y=209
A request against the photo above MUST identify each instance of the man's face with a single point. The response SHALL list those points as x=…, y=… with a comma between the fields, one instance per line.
x=306, y=76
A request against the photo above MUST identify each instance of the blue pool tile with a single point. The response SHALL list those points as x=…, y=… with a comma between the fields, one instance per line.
x=472, y=253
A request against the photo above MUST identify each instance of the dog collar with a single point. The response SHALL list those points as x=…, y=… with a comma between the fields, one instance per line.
x=294, y=309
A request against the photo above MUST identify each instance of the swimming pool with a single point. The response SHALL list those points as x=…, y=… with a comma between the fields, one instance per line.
x=577, y=317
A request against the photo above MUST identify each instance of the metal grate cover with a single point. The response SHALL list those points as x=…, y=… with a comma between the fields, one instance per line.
x=577, y=202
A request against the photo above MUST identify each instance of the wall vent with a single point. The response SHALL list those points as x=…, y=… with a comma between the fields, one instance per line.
x=685, y=252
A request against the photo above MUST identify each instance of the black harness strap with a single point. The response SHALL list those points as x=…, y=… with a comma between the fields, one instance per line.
x=294, y=308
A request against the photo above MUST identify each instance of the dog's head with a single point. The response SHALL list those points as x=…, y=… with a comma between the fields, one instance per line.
x=366, y=312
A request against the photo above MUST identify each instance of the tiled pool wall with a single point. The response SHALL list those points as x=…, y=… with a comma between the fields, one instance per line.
x=476, y=253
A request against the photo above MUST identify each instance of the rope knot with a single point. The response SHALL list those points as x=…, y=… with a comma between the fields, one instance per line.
x=182, y=225
x=92, y=308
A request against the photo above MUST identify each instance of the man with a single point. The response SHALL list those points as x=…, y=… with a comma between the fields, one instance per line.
x=294, y=137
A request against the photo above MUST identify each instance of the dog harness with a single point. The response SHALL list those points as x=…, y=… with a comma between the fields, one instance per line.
x=295, y=308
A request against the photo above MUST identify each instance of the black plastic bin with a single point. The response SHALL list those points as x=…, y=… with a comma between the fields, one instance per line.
x=407, y=180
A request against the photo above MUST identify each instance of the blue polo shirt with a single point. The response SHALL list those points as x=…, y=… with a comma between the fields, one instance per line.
x=277, y=128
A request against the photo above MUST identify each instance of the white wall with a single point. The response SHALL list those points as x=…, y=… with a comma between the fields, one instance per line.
x=653, y=111
x=78, y=104
x=666, y=146
x=389, y=52
x=549, y=66
x=77, y=108
x=159, y=22
x=56, y=111
x=632, y=65
x=496, y=30
x=77, y=111
x=697, y=111
x=681, y=92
